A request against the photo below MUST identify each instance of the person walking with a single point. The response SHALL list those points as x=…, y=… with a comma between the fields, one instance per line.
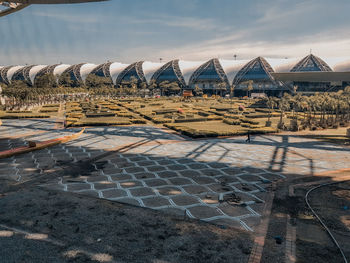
x=248, y=137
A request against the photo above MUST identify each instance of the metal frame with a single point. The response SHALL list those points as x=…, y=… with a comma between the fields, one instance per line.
x=174, y=64
x=3, y=75
x=138, y=69
x=23, y=72
x=264, y=64
x=104, y=68
x=47, y=70
x=218, y=69
x=76, y=72
x=316, y=60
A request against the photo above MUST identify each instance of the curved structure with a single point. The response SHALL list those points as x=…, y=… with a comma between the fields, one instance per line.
x=169, y=72
x=149, y=69
x=115, y=69
x=258, y=73
x=209, y=75
x=3, y=74
x=100, y=75
x=27, y=74
x=13, y=6
x=102, y=70
x=23, y=74
x=215, y=74
x=11, y=71
x=75, y=75
x=132, y=71
x=311, y=63
x=44, y=71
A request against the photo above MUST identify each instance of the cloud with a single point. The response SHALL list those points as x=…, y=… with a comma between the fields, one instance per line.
x=178, y=21
x=71, y=18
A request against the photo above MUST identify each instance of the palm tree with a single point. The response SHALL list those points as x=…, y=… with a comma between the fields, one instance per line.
x=283, y=105
x=271, y=104
x=164, y=85
x=221, y=86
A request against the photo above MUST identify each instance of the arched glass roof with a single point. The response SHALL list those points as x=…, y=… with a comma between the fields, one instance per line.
x=258, y=70
x=169, y=72
x=3, y=74
x=311, y=63
x=133, y=70
x=210, y=71
x=183, y=72
x=23, y=74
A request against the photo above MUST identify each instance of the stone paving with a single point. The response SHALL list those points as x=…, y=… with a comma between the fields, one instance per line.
x=222, y=181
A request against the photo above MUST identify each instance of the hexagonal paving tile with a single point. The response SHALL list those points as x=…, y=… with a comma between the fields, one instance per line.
x=185, y=200
x=180, y=181
x=204, y=212
x=167, y=174
x=114, y=193
x=169, y=190
x=157, y=201
x=130, y=184
x=78, y=186
x=142, y=191
x=195, y=189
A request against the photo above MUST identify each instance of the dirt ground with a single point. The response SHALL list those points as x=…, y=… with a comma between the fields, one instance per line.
x=40, y=225
x=312, y=243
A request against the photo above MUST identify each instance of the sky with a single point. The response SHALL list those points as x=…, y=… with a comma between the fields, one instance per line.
x=134, y=30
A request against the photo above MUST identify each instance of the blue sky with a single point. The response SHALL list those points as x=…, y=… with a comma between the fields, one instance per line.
x=133, y=30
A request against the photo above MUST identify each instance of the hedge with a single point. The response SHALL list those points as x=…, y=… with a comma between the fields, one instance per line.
x=193, y=133
x=102, y=114
x=245, y=120
x=24, y=116
x=48, y=110
x=107, y=123
x=190, y=120
x=232, y=122
x=18, y=111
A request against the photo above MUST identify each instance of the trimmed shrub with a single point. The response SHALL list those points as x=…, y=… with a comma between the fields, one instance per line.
x=161, y=120
x=18, y=111
x=245, y=120
x=190, y=120
x=138, y=121
x=25, y=116
x=48, y=110
x=102, y=114
x=232, y=122
x=230, y=116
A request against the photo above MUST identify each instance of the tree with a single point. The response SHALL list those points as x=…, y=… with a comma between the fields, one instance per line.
x=221, y=86
x=283, y=105
x=232, y=89
x=163, y=87
x=249, y=87
x=47, y=81
x=271, y=104
x=198, y=91
x=174, y=88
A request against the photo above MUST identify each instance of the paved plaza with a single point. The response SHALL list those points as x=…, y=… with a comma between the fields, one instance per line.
x=223, y=181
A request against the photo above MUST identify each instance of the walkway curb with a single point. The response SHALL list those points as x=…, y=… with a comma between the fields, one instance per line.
x=40, y=145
